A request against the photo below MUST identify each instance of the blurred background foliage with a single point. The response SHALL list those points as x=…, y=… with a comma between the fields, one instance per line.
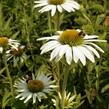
x=20, y=21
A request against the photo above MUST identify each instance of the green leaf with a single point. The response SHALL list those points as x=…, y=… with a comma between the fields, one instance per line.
x=100, y=19
x=7, y=24
x=88, y=28
x=97, y=8
x=15, y=35
x=105, y=88
x=6, y=99
x=1, y=17
x=2, y=70
x=78, y=105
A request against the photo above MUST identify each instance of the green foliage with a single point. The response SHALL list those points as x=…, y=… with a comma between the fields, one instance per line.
x=6, y=99
x=20, y=21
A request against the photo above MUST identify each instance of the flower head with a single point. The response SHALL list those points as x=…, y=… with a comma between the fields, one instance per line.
x=4, y=42
x=57, y=5
x=36, y=88
x=18, y=51
x=75, y=44
x=68, y=100
x=17, y=54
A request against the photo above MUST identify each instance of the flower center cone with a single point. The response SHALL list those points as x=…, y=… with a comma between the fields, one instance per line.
x=71, y=37
x=35, y=85
x=56, y=2
x=3, y=41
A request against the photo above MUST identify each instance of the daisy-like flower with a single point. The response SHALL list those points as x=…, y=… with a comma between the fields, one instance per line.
x=68, y=100
x=74, y=44
x=4, y=41
x=57, y=5
x=16, y=52
x=35, y=89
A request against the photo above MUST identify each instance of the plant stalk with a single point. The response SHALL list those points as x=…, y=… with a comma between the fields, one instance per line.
x=8, y=74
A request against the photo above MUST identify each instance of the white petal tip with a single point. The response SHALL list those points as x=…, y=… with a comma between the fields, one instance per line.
x=50, y=59
x=41, y=53
x=69, y=63
x=84, y=64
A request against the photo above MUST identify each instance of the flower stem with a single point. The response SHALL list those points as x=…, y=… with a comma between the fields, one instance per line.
x=8, y=74
x=63, y=82
x=65, y=79
x=35, y=106
x=106, y=6
x=57, y=22
x=58, y=82
x=49, y=22
x=64, y=85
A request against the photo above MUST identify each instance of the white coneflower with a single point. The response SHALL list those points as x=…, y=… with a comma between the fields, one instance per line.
x=4, y=41
x=74, y=44
x=35, y=89
x=57, y=5
x=16, y=53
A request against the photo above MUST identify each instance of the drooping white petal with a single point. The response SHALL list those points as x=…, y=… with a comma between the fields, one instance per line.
x=63, y=50
x=48, y=38
x=90, y=36
x=40, y=95
x=14, y=46
x=96, y=40
x=49, y=46
x=50, y=43
x=34, y=98
x=20, y=90
x=75, y=5
x=72, y=6
x=77, y=54
x=45, y=8
x=39, y=5
x=59, y=32
x=68, y=54
x=66, y=7
x=40, y=2
x=24, y=95
x=29, y=96
x=93, y=50
x=13, y=43
x=97, y=47
x=22, y=98
x=18, y=95
x=55, y=53
x=1, y=49
x=87, y=53
x=53, y=10
x=59, y=8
